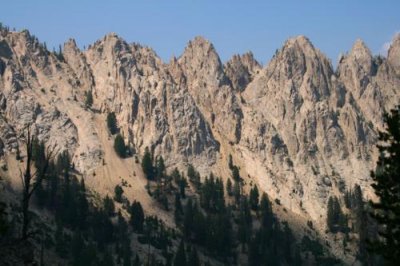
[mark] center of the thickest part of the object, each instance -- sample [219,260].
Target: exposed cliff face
[394,54]
[210,88]
[153,110]
[29,83]
[241,70]
[296,127]
[291,127]
[375,86]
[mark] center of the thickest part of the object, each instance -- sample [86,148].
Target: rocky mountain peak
[24,34]
[110,43]
[208,84]
[77,62]
[283,124]
[249,60]
[200,54]
[361,54]
[394,54]
[300,51]
[302,67]
[356,66]
[241,69]
[300,39]
[203,74]
[24,43]
[201,43]
[111,36]
[300,43]
[360,49]
[70,46]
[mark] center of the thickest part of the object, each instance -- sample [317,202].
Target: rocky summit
[297,128]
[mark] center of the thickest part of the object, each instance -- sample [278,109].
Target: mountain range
[297,128]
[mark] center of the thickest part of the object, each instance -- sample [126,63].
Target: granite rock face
[241,70]
[394,54]
[207,83]
[297,128]
[152,109]
[31,82]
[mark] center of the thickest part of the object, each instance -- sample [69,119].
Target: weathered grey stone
[295,126]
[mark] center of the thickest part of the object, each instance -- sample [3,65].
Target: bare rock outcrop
[209,86]
[37,89]
[241,69]
[297,128]
[394,54]
[152,109]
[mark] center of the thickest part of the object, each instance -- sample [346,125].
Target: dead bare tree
[31,181]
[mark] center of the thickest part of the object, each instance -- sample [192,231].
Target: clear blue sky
[233,26]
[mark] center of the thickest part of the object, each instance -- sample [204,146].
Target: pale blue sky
[233,26]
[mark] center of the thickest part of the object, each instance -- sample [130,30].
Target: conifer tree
[254,198]
[60,55]
[118,191]
[358,208]
[229,188]
[245,222]
[188,219]
[3,222]
[267,218]
[119,146]
[193,176]
[180,256]
[336,220]
[191,172]
[89,99]
[136,262]
[387,187]
[108,205]
[147,164]
[77,247]
[348,198]
[237,192]
[60,247]
[127,252]
[330,219]
[193,258]
[230,162]
[235,173]
[254,257]
[182,185]
[112,123]
[82,205]
[160,168]
[38,153]
[137,216]
[175,175]
[107,259]
[178,208]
